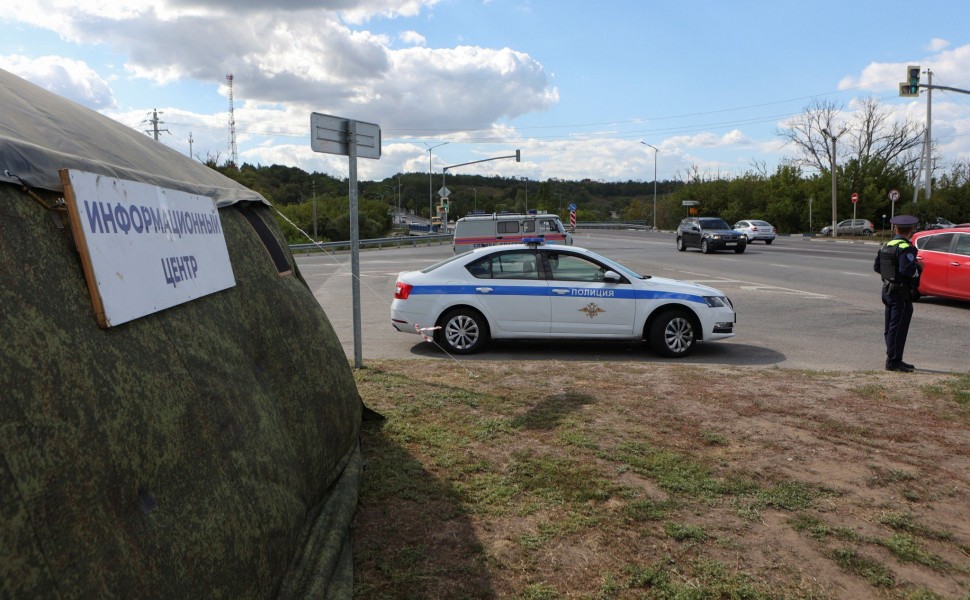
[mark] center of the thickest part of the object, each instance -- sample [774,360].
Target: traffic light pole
[929,136]
[910,89]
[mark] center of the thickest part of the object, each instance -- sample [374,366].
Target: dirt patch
[583,480]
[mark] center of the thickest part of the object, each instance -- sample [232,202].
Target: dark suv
[709,234]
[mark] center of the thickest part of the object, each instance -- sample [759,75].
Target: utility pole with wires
[190,144]
[833,157]
[155,123]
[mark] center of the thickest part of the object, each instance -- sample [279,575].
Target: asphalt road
[801,303]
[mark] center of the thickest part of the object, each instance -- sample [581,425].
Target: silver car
[852,227]
[756,230]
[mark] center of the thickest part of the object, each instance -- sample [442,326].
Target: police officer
[896,262]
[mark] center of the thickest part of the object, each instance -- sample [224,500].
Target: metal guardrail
[396,241]
[442,238]
[638,225]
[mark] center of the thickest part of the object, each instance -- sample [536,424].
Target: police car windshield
[622,270]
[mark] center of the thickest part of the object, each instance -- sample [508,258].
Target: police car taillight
[402,290]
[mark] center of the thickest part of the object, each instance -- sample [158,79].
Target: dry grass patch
[596,480]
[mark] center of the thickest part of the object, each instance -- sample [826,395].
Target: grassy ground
[543,480]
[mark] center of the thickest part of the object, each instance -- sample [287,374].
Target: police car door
[509,289]
[582,303]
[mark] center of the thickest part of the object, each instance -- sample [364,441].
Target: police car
[533,291]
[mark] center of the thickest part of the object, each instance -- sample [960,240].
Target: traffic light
[910,88]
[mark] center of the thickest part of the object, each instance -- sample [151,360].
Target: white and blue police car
[532,291]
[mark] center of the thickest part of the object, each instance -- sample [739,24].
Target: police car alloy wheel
[463,331]
[672,334]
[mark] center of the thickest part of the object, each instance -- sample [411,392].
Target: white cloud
[312,60]
[413,38]
[64,76]
[938,45]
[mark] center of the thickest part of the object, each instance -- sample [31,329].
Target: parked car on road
[945,258]
[754,229]
[851,227]
[538,291]
[709,234]
[938,223]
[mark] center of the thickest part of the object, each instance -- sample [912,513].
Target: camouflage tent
[209,450]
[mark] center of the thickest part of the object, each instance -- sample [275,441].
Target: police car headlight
[717,301]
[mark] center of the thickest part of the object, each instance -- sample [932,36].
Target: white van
[477,231]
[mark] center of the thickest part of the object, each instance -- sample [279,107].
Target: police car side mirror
[612,277]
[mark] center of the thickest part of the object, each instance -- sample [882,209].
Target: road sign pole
[354,244]
[346,137]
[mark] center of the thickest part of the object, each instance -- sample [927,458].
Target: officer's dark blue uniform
[896,262]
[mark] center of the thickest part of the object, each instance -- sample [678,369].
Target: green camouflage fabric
[206,451]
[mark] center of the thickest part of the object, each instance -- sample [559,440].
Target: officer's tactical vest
[889,260]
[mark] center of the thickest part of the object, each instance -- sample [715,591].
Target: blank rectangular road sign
[329,134]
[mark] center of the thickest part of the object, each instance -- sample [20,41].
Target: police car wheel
[681,245]
[463,331]
[672,334]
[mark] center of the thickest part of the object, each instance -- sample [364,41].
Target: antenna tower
[233,151]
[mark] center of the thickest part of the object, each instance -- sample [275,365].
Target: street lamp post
[656,151]
[834,138]
[517,156]
[430,192]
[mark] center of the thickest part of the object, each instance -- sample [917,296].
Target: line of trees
[875,154]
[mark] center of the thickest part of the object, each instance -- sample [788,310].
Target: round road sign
[855,197]
[893,195]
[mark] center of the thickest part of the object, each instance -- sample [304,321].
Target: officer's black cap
[904,220]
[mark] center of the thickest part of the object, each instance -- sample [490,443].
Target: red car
[945,257]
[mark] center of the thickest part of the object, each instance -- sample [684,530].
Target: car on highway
[851,227]
[944,255]
[938,223]
[538,291]
[709,234]
[755,229]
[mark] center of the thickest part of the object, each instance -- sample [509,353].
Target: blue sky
[575,85]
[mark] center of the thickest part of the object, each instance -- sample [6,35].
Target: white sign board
[144,248]
[328,134]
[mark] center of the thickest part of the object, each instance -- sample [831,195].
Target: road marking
[757,287]
[773,289]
